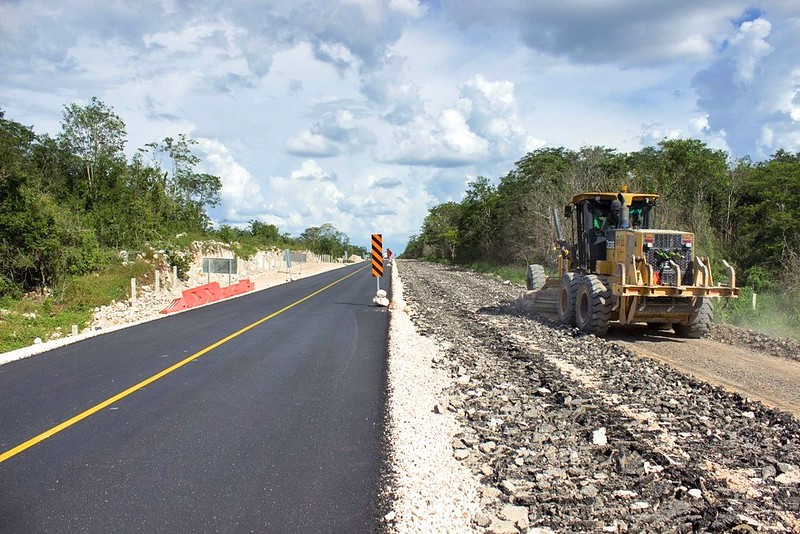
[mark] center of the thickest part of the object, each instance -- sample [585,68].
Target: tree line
[68,203]
[322,240]
[746,212]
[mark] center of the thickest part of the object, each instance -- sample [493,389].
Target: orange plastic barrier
[204,294]
[237,289]
[175,305]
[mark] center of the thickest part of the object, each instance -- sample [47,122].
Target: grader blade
[543,301]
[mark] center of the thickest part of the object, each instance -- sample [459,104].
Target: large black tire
[593,305]
[536,277]
[567,291]
[699,321]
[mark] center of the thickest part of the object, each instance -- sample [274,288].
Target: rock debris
[566,432]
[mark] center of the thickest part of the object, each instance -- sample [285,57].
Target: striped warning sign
[377,255]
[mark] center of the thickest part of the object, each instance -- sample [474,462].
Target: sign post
[377,258]
[227,266]
[287,259]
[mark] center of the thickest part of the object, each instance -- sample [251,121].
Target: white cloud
[349,34]
[309,171]
[410,8]
[188,39]
[699,125]
[364,113]
[481,125]
[447,185]
[532,143]
[749,47]
[750,91]
[397,98]
[336,132]
[311,144]
[627,32]
[493,115]
[241,193]
[336,54]
[295,86]
[654,133]
[384,182]
[367,207]
[442,142]
[309,196]
[794,102]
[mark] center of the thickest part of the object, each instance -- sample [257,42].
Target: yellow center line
[94,409]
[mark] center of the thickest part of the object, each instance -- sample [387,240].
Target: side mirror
[568,210]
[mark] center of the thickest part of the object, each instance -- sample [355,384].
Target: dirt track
[758,375]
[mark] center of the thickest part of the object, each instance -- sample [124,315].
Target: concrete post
[158,282]
[74,330]
[174,275]
[754,301]
[133,290]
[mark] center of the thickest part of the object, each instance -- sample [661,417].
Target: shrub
[180,259]
[760,279]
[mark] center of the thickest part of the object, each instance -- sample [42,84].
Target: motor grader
[619,267]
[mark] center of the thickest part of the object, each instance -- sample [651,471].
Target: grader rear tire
[593,305]
[536,277]
[699,321]
[567,291]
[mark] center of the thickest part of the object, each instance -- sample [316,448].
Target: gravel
[568,432]
[778,346]
[432,491]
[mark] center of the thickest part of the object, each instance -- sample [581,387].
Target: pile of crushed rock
[777,346]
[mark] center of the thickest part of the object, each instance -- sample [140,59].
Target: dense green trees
[326,239]
[27,222]
[187,191]
[68,204]
[65,203]
[748,213]
[768,216]
[96,136]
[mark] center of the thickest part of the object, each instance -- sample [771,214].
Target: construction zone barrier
[197,296]
[237,289]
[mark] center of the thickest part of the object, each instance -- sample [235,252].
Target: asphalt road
[277,429]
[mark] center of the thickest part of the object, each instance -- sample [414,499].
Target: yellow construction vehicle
[619,268]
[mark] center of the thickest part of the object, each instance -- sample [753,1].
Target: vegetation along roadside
[70,204]
[743,211]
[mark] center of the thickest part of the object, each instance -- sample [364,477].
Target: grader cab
[618,267]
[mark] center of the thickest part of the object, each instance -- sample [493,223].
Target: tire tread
[600,305]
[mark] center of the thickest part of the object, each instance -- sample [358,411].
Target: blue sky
[365,113]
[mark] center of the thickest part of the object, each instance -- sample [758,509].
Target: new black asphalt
[278,429]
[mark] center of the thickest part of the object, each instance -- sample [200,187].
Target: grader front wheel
[699,321]
[593,306]
[567,292]
[536,277]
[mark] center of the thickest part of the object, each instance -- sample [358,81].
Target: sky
[367,113]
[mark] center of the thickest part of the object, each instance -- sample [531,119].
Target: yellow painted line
[119,396]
